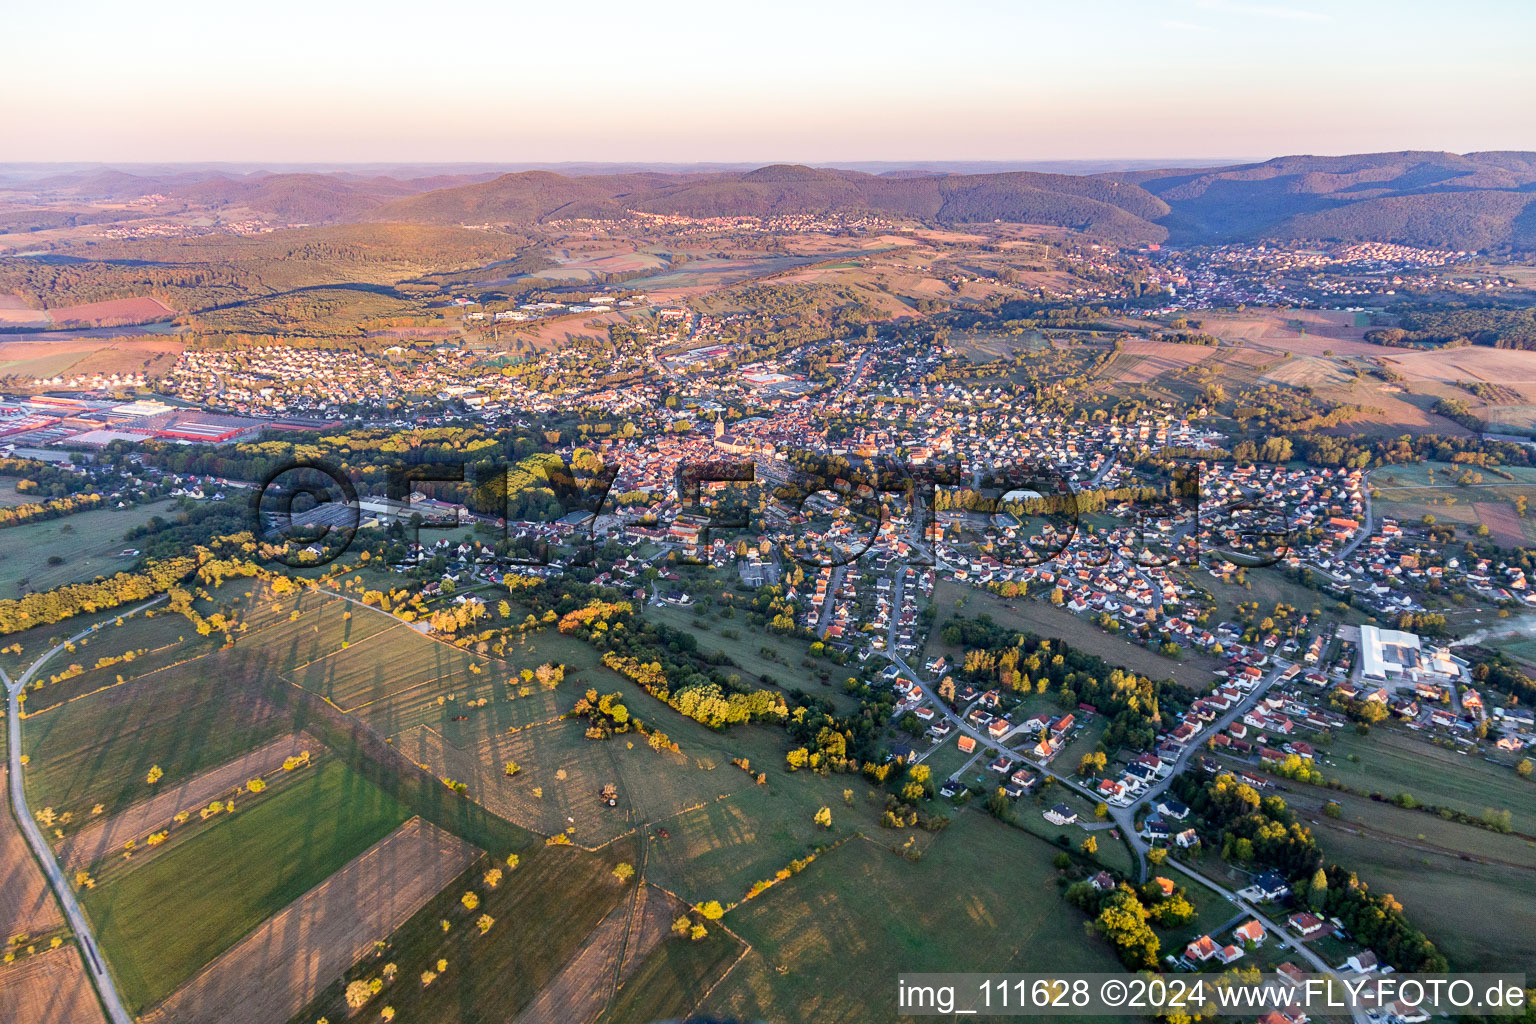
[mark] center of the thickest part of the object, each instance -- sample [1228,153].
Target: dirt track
[106,837]
[276,971]
[48,988]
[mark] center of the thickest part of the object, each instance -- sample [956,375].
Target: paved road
[94,964]
[1365,527]
[1124,817]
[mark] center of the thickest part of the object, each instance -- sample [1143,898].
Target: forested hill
[1472,201]
[1101,206]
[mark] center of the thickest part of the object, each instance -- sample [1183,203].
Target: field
[630,932]
[1480,915]
[669,983]
[276,970]
[163,919]
[88,544]
[783,671]
[106,837]
[543,912]
[26,904]
[1391,763]
[1141,360]
[1040,617]
[1000,911]
[50,987]
[185,721]
[1409,493]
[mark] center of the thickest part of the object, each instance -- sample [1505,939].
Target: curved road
[94,964]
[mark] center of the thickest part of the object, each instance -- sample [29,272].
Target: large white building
[1391,655]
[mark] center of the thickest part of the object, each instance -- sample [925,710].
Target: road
[1365,527]
[1124,817]
[61,887]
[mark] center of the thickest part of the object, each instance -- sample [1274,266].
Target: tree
[1101,811]
[1317,892]
[711,910]
[1089,846]
[155,775]
[358,993]
[1157,856]
[470,901]
[1524,768]
[824,817]
[681,925]
[624,872]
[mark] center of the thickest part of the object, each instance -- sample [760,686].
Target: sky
[810,82]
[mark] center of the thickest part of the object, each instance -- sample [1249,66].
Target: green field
[671,980]
[828,944]
[160,922]
[1391,763]
[185,720]
[784,671]
[1046,620]
[1481,916]
[88,544]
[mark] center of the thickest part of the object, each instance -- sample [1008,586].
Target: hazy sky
[728,81]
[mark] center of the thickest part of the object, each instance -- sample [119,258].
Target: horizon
[1210,77]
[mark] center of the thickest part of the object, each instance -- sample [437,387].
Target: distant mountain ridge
[1443,200]
[1467,201]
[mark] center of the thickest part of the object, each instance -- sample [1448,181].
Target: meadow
[544,910]
[87,544]
[1391,763]
[982,898]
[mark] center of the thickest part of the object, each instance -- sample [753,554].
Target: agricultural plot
[669,983]
[26,904]
[1390,763]
[50,987]
[162,920]
[279,968]
[580,992]
[764,658]
[542,914]
[862,903]
[185,721]
[1481,916]
[107,837]
[1046,620]
[392,662]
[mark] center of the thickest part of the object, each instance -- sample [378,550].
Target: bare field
[26,905]
[1310,332]
[1141,360]
[101,838]
[48,988]
[110,312]
[279,968]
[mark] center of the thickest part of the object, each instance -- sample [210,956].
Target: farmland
[26,905]
[1390,763]
[805,930]
[278,968]
[49,987]
[162,920]
[543,912]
